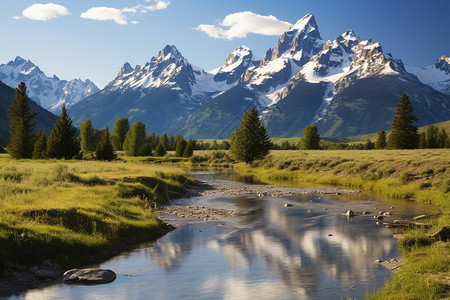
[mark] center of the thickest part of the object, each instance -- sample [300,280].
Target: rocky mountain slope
[347,86]
[49,92]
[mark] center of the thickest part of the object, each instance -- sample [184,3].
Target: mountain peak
[301,24]
[169,51]
[126,69]
[443,63]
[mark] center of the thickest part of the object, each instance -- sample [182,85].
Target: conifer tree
[40,146]
[432,137]
[179,149]
[369,145]
[21,125]
[146,148]
[105,149]
[160,150]
[189,149]
[443,139]
[62,142]
[380,143]
[171,142]
[120,129]
[165,141]
[88,139]
[135,139]
[403,134]
[250,141]
[311,138]
[422,140]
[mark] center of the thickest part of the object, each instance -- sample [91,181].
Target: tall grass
[60,209]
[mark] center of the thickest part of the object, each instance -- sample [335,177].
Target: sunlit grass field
[60,209]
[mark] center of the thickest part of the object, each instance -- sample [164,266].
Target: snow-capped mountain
[294,48]
[437,76]
[347,86]
[49,92]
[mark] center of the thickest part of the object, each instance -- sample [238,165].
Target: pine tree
[87,136]
[179,149]
[171,143]
[189,149]
[62,142]
[422,140]
[20,124]
[120,129]
[135,139]
[160,150]
[40,147]
[443,139]
[250,141]
[369,145]
[311,138]
[165,141]
[105,149]
[403,134]
[380,143]
[432,137]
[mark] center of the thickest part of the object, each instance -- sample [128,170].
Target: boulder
[93,276]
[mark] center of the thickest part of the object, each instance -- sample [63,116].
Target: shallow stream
[264,251]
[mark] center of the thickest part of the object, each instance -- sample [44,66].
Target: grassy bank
[70,210]
[419,175]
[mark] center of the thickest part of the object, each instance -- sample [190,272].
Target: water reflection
[308,251]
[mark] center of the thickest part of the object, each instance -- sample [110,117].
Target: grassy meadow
[75,209]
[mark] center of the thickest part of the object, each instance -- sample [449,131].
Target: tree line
[249,142]
[64,143]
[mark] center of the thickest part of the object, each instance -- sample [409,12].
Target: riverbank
[55,215]
[416,175]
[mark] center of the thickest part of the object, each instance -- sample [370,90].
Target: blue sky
[93,39]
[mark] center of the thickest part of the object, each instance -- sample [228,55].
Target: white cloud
[239,25]
[43,12]
[159,5]
[105,14]
[119,15]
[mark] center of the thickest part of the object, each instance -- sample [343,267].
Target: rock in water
[350,213]
[93,276]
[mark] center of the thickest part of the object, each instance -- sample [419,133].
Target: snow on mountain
[294,49]
[437,76]
[49,92]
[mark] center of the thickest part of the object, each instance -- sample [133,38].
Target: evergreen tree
[179,149]
[105,149]
[443,139]
[21,125]
[165,141]
[160,150]
[146,148]
[311,138]
[369,145]
[403,134]
[189,149]
[432,137]
[380,143]
[250,141]
[135,139]
[171,143]
[62,142]
[120,129]
[422,140]
[87,136]
[40,147]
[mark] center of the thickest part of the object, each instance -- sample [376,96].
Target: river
[264,251]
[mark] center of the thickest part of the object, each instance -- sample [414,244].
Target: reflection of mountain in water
[293,242]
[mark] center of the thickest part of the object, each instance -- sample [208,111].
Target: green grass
[76,209]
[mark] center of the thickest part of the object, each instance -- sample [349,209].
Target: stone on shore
[93,276]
